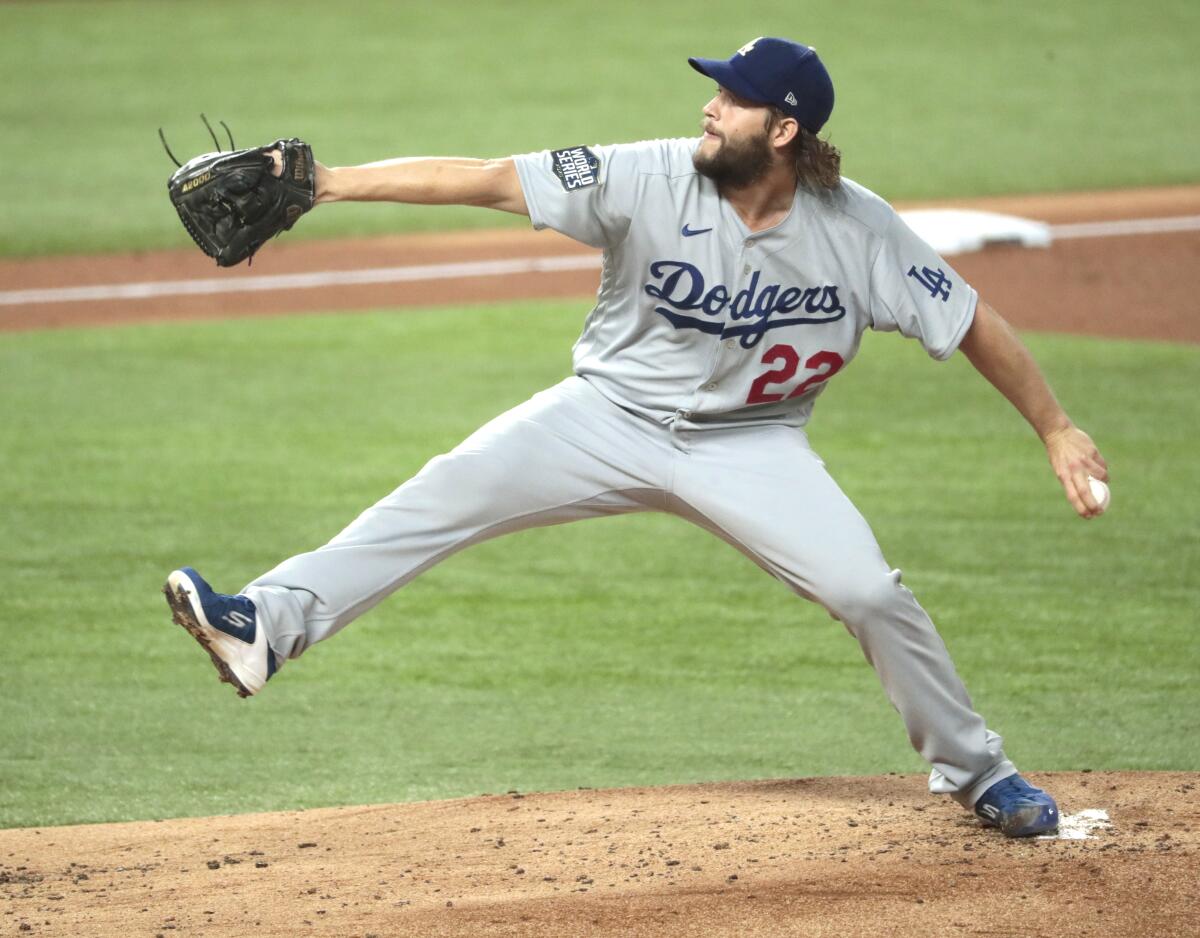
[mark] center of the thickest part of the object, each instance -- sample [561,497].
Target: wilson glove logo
[753,310]
[193,183]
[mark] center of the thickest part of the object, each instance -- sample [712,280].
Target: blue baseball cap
[776,71]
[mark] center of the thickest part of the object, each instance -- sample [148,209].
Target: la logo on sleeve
[935,281]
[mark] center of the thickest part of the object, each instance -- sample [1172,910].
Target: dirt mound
[827,856]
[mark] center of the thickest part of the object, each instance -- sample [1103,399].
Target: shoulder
[670,157]
[855,207]
[580,165]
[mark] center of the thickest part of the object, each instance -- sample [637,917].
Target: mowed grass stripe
[624,651]
[932,100]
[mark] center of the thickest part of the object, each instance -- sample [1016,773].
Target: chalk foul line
[427,272]
[305,281]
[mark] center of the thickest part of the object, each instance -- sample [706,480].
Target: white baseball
[1099,492]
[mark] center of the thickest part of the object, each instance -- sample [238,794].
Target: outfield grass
[934,99]
[615,652]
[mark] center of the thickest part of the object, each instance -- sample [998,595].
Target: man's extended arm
[426,181]
[997,354]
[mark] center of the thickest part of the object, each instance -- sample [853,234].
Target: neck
[766,202]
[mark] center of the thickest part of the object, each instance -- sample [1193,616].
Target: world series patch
[575,167]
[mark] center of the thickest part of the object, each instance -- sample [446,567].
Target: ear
[783,131]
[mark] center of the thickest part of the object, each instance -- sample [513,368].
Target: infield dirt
[813,857]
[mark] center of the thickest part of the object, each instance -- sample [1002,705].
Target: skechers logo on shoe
[239,625]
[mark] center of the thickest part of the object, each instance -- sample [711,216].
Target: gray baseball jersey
[700,318]
[694,373]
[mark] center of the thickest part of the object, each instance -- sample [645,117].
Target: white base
[960,231]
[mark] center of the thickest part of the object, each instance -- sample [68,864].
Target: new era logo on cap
[786,74]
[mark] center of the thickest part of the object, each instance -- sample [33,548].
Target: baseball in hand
[1099,492]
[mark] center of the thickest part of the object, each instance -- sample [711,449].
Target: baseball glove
[231,203]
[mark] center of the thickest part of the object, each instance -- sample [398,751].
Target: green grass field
[616,652]
[613,652]
[934,98]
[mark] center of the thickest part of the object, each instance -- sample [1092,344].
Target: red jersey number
[826,365]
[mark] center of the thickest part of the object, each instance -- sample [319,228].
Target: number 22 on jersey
[826,365]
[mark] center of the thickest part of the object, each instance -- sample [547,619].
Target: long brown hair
[818,162]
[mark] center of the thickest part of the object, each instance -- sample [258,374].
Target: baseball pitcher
[740,271]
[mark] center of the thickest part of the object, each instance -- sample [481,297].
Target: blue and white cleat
[227,627]
[1017,808]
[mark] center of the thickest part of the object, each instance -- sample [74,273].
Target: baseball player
[740,271]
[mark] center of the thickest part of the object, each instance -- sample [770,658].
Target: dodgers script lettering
[681,286]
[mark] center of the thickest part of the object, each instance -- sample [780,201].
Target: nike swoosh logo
[692,232]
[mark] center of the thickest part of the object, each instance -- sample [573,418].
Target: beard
[735,163]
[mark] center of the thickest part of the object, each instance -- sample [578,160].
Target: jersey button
[730,343]
[746,269]
[711,386]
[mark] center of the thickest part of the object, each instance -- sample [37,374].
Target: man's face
[736,149]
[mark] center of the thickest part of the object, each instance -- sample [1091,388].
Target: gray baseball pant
[569,453]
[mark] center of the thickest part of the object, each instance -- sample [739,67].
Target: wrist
[325,185]
[1053,427]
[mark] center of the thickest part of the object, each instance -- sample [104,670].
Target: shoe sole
[1029,822]
[1024,822]
[183,614]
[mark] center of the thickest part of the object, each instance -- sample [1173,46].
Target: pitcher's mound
[826,856]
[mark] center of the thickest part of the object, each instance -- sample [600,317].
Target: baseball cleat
[1017,808]
[227,627]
